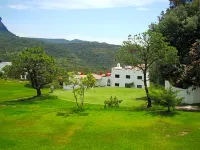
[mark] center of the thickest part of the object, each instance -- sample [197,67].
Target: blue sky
[108,21]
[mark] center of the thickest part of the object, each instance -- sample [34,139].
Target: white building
[119,77]
[101,81]
[190,95]
[123,77]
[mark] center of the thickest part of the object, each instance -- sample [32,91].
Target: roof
[96,76]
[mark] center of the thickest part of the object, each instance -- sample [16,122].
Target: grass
[130,97]
[13,89]
[52,122]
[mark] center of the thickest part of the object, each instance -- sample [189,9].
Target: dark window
[139,86]
[139,77]
[117,76]
[128,76]
[127,85]
[116,84]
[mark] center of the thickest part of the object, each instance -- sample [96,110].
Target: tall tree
[176,3]
[193,69]
[41,68]
[144,50]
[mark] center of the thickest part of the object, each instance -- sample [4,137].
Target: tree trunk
[39,92]
[168,109]
[146,89]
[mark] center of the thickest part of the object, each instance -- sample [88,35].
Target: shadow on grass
[163,113]
[156,110]
[142,98]
[30,100]
[72,111]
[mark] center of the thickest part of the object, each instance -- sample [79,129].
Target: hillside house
[124,77]
[127,77]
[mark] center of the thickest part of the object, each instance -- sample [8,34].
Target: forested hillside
[73,55]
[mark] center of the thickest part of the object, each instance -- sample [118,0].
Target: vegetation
[165,97]
[112,102]
[73,55]
[181,27]
[41,68]
[13,89]
[52,123]
[80,86]
[144,50]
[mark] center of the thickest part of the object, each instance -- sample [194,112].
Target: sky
[109,21]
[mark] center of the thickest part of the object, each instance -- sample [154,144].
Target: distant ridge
[63,41]
[73,55]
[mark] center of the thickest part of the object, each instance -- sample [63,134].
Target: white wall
[122,79]
[190,96]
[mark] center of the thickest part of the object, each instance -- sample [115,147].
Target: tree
[80,86]
[40,67]
[193,69]
[176,3]
[165,97]
[144,50]
[181,27]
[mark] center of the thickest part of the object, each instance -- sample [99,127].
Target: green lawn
[54,123]
[130,97]
[12,89]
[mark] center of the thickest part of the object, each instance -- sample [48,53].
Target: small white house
[122,77]
[101,81]
[190,95]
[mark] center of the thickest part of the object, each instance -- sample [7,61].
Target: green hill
[72,55]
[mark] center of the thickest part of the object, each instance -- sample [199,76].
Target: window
[127,85]
[139,77]
[128,76]
[117,76]
[116,84]
[139,86]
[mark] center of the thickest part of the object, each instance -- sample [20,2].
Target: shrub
[112,102]
[165,97]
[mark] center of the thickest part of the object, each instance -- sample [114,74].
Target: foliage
[165,97]
[144,50]
[80,86]
[192,76]
[181,27]
[112,102]
[40,67]
[176,3]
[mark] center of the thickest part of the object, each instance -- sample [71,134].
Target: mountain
[73,55]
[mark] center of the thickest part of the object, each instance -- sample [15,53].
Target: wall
[190,96]
[133,77]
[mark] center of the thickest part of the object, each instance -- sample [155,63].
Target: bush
[112,102]
[165,97]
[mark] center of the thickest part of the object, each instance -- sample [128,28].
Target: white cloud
[81,4]
[142,9]
[19,6]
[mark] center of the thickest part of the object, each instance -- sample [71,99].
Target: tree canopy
[41,68]
[144,50]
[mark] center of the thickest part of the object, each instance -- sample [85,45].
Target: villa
[127,77]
